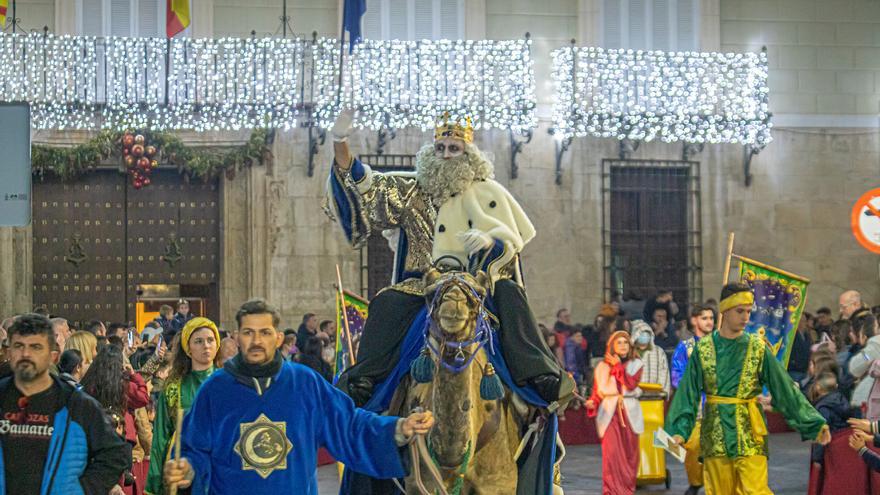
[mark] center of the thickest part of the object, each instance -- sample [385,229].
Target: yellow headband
[193,325]
[737,299]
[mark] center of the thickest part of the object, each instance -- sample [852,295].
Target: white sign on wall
[15,164]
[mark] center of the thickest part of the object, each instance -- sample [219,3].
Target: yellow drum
[652,461]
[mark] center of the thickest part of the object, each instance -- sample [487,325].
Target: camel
[474,441]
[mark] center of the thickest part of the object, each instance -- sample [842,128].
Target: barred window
[134,18]
[414,19]
[668,25]
[651,231]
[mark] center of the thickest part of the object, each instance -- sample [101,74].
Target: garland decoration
[203,162]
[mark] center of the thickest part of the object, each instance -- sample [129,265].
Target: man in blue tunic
[256,425]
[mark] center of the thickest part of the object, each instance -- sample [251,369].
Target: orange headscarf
[609,346]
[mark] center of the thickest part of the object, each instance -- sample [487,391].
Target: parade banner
[780,297]
[355,310]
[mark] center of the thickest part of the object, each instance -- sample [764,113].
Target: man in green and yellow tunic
[732,368]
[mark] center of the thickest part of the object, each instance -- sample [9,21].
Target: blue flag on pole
[351,20]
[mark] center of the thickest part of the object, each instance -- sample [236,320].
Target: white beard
[445,177]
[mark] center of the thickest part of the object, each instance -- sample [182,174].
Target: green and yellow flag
[356,314]
[780,297]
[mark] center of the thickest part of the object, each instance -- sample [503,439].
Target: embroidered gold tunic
[732,373]
[365,201]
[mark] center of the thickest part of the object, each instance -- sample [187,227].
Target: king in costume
[731,368]
[451,210]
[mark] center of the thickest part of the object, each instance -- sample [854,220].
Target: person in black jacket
[53,438]
[311,357]
[832,405]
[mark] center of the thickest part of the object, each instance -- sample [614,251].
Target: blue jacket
[86,456]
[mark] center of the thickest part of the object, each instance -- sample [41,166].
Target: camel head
[454,299]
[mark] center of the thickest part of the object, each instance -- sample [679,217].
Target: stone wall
[824,54]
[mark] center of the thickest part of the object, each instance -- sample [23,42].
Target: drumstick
[172,490]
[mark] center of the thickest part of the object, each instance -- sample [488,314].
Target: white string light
[644,95]
[397,84]
[83,82]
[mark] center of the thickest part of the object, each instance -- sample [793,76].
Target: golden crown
[454,128]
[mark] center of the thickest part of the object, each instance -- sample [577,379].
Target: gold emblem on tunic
[263,446]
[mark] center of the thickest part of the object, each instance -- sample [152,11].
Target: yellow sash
[759,428]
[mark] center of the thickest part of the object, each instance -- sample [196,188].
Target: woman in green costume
[194,360]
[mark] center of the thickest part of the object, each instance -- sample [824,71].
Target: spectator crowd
[139,380]
[834,359]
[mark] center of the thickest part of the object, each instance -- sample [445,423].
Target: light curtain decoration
[397,84]
[82,82]
[646,95]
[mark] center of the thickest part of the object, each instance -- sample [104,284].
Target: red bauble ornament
[146,181]
[137,150]
[150,150]
[139,139]
[129,161]
[127,140]
[143,162]
[126,151]
[137,184]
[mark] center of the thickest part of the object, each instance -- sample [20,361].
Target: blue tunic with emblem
[264,439]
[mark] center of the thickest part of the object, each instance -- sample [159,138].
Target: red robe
[620,441]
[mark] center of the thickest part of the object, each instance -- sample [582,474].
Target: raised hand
[342,126]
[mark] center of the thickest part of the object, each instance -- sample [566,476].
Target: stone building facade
[825,94]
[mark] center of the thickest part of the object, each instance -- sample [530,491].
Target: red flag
[4,4]
[177,16]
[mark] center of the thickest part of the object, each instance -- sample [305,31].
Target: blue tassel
[422,368]
[491,387]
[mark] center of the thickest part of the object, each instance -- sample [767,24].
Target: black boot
[547,387]
[692,490]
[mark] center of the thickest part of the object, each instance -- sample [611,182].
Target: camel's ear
[431,276]
[483,279]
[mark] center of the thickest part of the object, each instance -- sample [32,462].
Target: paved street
[583,470]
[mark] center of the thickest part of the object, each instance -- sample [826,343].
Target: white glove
[342,126]
[475,240]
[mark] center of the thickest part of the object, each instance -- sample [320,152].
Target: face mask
[643,339]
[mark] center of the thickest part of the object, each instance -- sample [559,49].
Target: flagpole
[726,274]
[341,54]
[172,490]
[344,316]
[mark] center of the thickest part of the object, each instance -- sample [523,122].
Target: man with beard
[255,426]
[53,438]
[451,211]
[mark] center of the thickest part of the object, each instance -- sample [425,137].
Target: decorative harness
[482,331]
